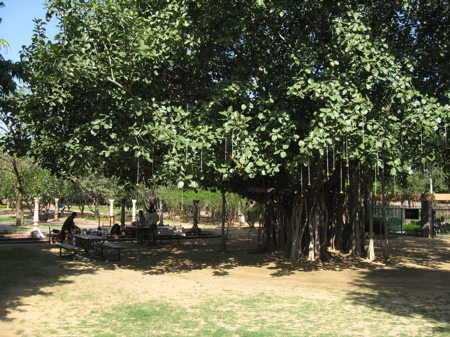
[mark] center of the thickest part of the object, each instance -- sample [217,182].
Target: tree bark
[384,222]
[297,229]
[19,192]
[371,249]
[314,233]
[223,247]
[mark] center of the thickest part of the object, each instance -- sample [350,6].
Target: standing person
[68,226]
[151,221]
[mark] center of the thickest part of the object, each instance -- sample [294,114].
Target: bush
[253,214]
[378,227]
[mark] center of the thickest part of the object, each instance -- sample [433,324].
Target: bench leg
[74,254]
[61,254]
[118,254]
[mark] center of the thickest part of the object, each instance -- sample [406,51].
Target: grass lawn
[191,289]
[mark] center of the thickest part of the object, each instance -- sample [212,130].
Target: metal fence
[397,216]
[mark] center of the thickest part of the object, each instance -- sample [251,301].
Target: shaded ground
[412,285]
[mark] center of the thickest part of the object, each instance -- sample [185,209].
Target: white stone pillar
[36,214]
[133,211]
[111,212]
[56,208]
[111,207]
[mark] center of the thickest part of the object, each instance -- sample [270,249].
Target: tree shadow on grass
[414,282]
[416,264]
[196,254]
[406,292]
[25,268]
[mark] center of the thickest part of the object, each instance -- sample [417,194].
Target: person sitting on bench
[115,230]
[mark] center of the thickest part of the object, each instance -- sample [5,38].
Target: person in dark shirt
[115,230]
[68,226]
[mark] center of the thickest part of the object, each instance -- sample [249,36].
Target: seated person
[115,230]
[141,218]
[61,208]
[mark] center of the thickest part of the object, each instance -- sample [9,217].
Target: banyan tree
[299,105]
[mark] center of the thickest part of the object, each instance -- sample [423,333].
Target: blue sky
[17,25]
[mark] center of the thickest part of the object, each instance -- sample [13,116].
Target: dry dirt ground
[417,265]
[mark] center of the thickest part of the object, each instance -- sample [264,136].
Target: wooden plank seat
[112,246]
[126,237]
[169,238]
[71,248]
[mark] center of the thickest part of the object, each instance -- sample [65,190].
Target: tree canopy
[9,70]
[272,99]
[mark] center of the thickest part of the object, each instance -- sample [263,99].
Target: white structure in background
[36,232]
[111,207]
[133,211]
[36,214]
[56,208]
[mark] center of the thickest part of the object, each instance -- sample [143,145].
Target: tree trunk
[314,233]
[384,222]
[299,205]
[19,192]
[96,208]
[371,249]
[323,227]
[223,247]
[336,222]
[19,209]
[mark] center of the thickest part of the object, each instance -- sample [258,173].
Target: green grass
[258,315]
[36,271]
[13,219]
[410,227]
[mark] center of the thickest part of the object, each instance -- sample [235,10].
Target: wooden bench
[71,248]
[126,237]
[169,237]
[113,246]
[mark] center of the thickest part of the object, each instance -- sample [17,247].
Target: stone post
[111,211]
[56,208]
[36,214]
[133,211]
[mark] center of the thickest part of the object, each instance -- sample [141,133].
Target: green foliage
[259,98]
[209,201]
[253,213]
[28,176]
[9,71]
[252,99]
